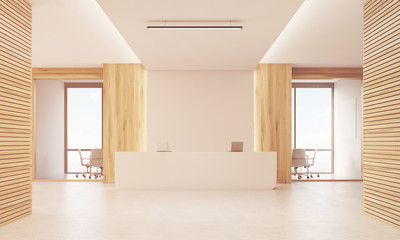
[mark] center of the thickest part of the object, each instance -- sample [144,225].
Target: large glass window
[83,126]
[312,123]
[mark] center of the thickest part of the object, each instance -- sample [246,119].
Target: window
[83,123]
[313,123]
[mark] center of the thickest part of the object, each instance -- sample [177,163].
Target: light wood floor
[303,210]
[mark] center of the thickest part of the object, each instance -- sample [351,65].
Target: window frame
[317,85]
[66,87]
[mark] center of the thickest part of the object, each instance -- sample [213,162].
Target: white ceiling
[75,33]
[262,20]
[323,33]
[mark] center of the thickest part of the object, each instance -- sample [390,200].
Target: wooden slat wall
[273,115]
[15,110]
[124,113]
[381,140]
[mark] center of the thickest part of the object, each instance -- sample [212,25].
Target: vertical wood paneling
[381,118]
[124,112]
[273,115]
[15,110]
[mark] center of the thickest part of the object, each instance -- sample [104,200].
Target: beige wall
[348,128]
[49,128]
[200,111]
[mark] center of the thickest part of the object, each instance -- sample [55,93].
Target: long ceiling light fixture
[194,25]
[180,27]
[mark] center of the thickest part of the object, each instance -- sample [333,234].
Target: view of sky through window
[84,123]
[314,124]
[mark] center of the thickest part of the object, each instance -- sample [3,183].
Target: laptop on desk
[237,147]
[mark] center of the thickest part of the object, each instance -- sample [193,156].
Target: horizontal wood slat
[327,73]
[382,214]
[67,73]
[25,179]
[373,86]
[378,187]
[382,184]
[16,118]
[6,209]
[7,178]
[11,211]
[14,154]
[389,209]
[15,186]
[384,95]
[13,11]
[383,59]
[385,32]
[380,171]
[379,117]
[13,19]
[381,110]
[7,86]
[7,163]
[379,10]
[394,86]
[14,200]
[22,8]
[381,164]
[13,57]
[11,194]
[16,217]
[10,26]
[377,200]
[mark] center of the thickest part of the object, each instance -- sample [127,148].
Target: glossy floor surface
[303,210]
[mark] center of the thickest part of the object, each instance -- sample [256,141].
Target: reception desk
[195,170]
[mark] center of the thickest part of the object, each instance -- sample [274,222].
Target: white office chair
[310,162]
[87,164]
[96,160]
[298,161]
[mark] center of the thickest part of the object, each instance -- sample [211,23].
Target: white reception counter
[195,170]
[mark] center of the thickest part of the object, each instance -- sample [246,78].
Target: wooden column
[15,110]
[273,115]
[124,113]
[381,110]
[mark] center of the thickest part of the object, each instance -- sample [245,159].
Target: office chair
[87,165]
[310,162]
[96,160]
[298,161]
